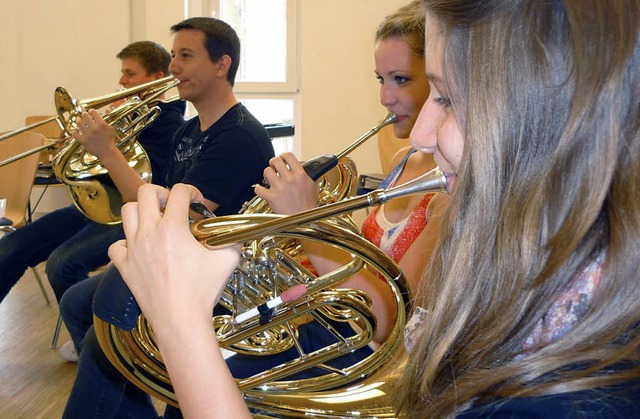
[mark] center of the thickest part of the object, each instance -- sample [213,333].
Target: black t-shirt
[224,161]
[157,138]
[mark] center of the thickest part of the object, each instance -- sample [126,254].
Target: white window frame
[288,89]
[290,85]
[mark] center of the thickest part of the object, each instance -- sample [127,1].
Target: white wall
[73,43]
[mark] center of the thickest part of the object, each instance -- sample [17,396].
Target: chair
[50,130]
[17,181]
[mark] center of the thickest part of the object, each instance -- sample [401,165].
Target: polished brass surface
[222,231]
[336,184]
[265,270]
[92,190]
[391,118]
[136,355]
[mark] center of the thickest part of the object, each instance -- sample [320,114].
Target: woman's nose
[387,97]
[423,135]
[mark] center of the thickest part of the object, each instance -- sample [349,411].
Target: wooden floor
[34,380]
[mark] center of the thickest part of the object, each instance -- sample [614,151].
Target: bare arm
[413,264]
[161,254]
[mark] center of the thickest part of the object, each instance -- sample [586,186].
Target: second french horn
[92,190]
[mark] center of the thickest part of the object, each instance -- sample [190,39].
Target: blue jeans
[71,244]
[75,308]
[101,391]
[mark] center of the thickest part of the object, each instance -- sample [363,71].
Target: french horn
[92,190]
[267,271]
[338,183]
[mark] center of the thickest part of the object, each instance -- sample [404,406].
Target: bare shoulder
[438,203]
[417,165]
[397,158]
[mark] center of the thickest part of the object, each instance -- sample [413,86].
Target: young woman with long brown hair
[531,305]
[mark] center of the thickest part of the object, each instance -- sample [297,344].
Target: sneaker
[68,352]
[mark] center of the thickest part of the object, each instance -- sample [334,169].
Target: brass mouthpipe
[391,118]
[165,84]
[432,181]
[320,165]
[66,103]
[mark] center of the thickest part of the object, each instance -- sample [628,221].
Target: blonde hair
[407,22]
[550,180]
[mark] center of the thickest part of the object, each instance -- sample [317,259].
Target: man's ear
[223,64]
[158,75]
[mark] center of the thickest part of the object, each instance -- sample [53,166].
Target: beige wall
[72,43]
[58,43]
[339,92]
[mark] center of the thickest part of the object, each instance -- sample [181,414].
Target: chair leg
[56,333]
[40,283]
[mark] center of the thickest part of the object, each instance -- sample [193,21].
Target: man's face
[134,74]
[192,66]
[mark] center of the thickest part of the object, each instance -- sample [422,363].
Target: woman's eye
[401,80]
[380,79]
[443,101]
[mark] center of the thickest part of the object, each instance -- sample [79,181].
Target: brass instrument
[92,190]
[266,271]
[339,169]
[336,176]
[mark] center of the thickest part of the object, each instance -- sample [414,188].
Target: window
[267,77]
[274,111]
[268,53]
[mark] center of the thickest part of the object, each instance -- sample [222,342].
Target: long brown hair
[547,93]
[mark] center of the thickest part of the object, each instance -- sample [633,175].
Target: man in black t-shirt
[222,152]
[72,244]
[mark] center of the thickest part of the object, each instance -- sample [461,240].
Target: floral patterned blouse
[561,317]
